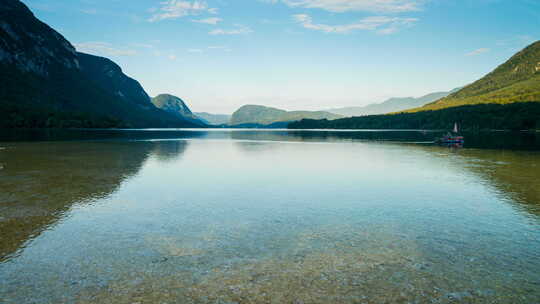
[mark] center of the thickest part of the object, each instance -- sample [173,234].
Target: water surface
[229,216]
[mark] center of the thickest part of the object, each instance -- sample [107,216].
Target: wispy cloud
[103,49]
[515,43]
[478,52]
[240,30]
[170,55]
[223,48]
[339,6]
[380,24]
[209,49]
[143,45]
[173,9]
[213,20]
[89,11]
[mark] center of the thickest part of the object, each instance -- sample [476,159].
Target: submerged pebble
[458,295]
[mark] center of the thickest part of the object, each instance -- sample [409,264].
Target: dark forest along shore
[507,140]
[267,217]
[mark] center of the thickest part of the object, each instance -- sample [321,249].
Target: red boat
[451,138]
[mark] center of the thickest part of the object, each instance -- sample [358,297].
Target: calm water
[268,217]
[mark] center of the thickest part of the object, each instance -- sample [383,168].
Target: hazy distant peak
[394,104]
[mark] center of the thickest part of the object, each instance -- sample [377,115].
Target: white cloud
[339,6]
[195,51]
[103,49]
[172,57]
[173,9]
[381,24]
[240,30]
[478,52]
[213,20]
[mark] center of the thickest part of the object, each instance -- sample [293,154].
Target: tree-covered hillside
[253,114]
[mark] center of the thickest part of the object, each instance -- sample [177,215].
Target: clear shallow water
[267,217]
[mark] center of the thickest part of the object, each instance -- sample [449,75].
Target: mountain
[46,83]
[213,119]
[176,107]
[395,104]
[109,76]
[516,80]
[274,125]
[261,115]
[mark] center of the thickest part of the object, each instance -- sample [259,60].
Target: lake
[268,216]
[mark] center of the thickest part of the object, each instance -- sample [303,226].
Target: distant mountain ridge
[45,82]
[261,115]
[390,105]
[177,107]
[516,80]
[214,119]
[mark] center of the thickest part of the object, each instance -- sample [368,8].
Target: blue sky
[296,54]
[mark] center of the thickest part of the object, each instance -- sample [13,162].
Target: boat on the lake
[451,138]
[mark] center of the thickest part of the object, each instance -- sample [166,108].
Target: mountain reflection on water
[42,181]
[514,173]
[247,216]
